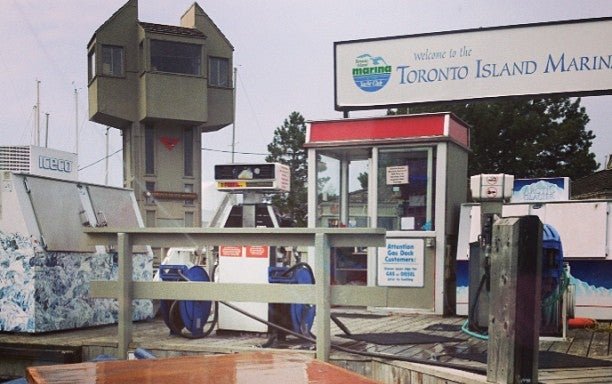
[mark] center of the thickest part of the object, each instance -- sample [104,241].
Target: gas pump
[492,190]
[246,264]
[257,264]
[242,264]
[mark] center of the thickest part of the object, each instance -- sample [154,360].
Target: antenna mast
[37,133]
[106,159]
[76,120]
[234,115]
[47,130]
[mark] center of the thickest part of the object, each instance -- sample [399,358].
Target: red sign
[257,251]
[230,251]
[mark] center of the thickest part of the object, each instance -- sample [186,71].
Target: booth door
[405,198]
[342,201]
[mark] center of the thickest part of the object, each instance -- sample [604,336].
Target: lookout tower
[162,86]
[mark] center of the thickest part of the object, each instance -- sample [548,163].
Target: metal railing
[322,294]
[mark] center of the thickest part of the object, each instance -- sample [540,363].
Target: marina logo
[371,73]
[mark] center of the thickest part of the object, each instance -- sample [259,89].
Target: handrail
[321,293]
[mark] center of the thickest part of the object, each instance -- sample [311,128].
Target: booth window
[218,72]
[328,191]
[406,189]
[342,189]
[342,201]
[357,187]
[173,57]
[112,60]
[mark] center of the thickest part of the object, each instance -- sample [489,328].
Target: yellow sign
[231,184]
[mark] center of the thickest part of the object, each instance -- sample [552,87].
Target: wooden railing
[322,294]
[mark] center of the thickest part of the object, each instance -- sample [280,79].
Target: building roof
[201,12]
[597,185]
[171,30]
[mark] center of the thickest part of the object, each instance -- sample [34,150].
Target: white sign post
[401,263]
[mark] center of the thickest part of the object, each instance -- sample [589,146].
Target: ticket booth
[407,174]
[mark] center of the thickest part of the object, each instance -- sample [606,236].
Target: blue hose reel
[185,314]
[554,282]
[192,315]
[297,317]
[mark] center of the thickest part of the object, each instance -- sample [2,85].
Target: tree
[526,138]
[287,147]
[363,180]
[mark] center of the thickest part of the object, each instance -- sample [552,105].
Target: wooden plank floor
[154,336]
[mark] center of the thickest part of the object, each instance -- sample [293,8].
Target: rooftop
[171,30]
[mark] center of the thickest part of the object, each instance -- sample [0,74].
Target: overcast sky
[283,52]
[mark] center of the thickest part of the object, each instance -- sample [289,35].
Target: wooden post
[514,317]
[124,279]
[323,292]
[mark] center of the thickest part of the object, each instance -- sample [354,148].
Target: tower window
[218,72]
[188,189]
[150,188]
[112,60]
[149,150]
[173,57]
[188,151]
[189,219]
[91,64]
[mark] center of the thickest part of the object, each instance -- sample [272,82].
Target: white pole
[47,130]
[33,132]
[234,115]
[37,134]
[106,159]
[76,120]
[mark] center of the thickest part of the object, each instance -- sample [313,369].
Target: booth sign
[401,263]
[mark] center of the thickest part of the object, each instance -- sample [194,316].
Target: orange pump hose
[581,322]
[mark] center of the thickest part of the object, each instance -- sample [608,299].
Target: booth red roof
[444,126]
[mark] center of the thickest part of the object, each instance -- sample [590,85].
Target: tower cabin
[162,86]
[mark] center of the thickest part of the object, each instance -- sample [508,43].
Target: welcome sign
[573,58]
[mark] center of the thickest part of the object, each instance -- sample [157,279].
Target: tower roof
[171,30]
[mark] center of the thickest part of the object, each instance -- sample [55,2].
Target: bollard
[514,312]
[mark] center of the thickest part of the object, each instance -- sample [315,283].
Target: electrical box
[266,177]
[491,187]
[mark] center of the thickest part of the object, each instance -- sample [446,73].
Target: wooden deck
[154,336]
